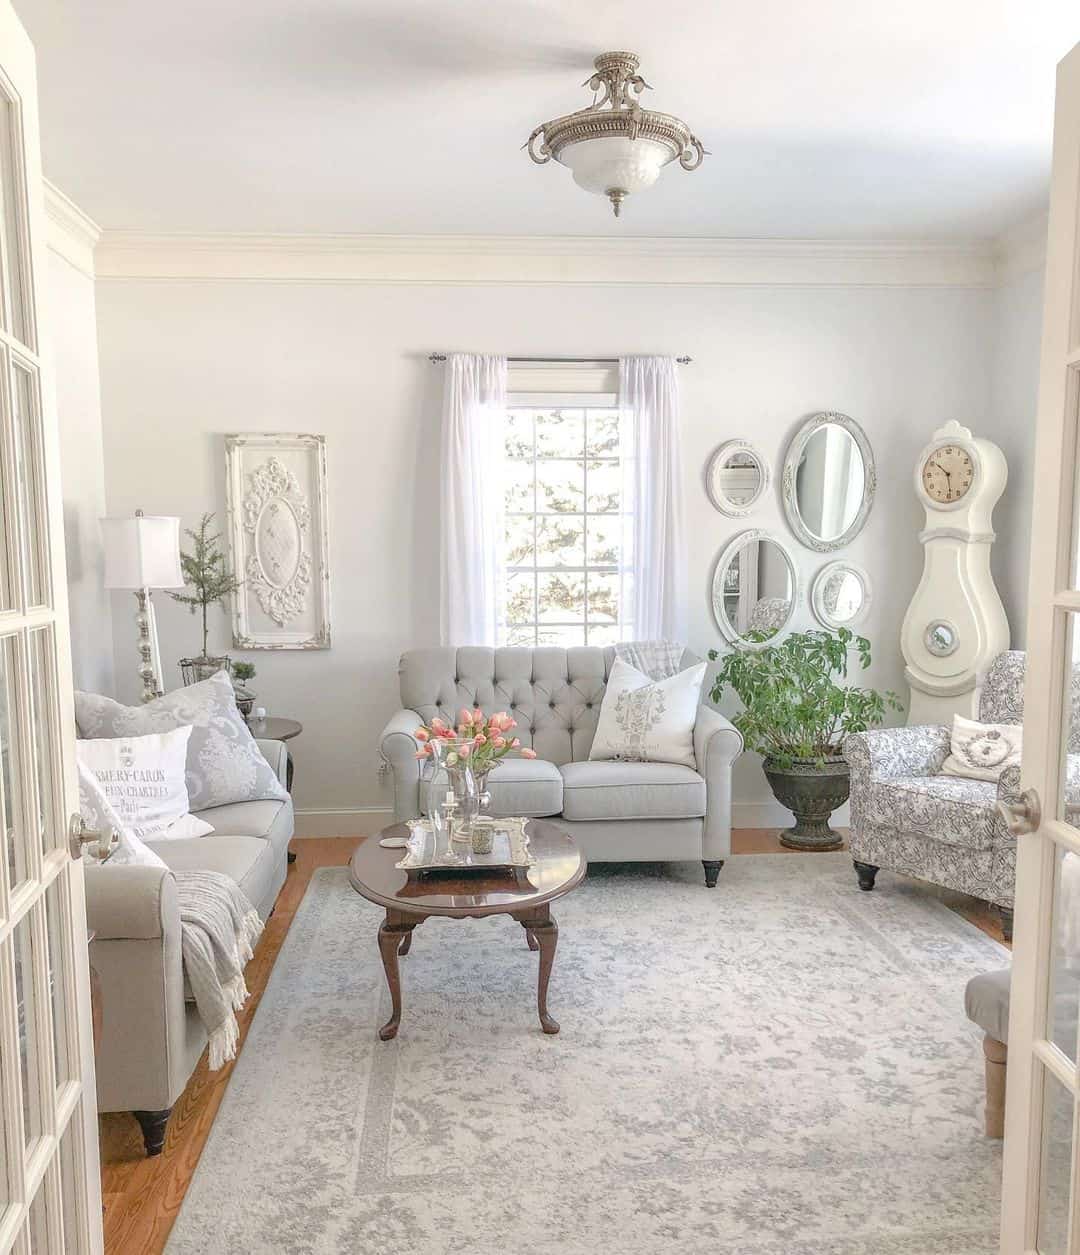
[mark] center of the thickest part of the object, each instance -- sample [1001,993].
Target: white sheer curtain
[653,598]
[473,435]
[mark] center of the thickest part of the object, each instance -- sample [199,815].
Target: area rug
[779,1066]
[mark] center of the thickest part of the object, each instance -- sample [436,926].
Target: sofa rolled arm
[886,753]
[131,902]
[277,755]
[717,743]
[398,746]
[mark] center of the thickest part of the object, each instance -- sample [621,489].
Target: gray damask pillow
[223,762]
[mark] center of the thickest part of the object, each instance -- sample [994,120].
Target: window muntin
[563,526]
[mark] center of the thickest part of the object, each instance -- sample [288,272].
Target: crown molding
[474,260]
[70,232]
[1022,249]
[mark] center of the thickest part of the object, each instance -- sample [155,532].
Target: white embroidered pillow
[143,780]
[982,751]
[648,720]
[99,814]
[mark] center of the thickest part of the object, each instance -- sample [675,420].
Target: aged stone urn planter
[812,791]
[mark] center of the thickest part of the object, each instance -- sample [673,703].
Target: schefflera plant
[796,707]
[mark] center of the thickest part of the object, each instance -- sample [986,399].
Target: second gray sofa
[617,811]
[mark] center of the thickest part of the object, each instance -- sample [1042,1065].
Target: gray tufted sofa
[617,811]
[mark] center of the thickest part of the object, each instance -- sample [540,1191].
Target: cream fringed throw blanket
[218,931]
[218,925]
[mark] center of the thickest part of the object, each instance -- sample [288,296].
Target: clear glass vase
[453,794]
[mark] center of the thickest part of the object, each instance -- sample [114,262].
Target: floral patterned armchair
[909,818]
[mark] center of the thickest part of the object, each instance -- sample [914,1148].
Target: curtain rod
[559,361]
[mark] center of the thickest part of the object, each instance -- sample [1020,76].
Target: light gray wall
[183,362]
[1014,398]
[71,320]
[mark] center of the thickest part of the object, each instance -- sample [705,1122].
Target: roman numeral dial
[948,473]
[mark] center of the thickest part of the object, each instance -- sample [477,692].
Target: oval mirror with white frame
[736,478]
[829,481]
[840,596]
[755,589]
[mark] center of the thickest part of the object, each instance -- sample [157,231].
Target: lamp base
[149,663]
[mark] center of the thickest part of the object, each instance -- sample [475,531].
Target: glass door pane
[11,777]
[46,717]
[30,472]
[1056,1172]
[13,252]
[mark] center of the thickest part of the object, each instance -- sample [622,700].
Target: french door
[49,1183]
[1041,1209]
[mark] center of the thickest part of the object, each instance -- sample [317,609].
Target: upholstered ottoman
[986,1001]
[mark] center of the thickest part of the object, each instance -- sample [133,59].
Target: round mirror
[754,590]
[829,481]
[841,595]
[941,638]
[736,478]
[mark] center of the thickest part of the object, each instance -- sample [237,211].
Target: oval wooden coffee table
[559,867]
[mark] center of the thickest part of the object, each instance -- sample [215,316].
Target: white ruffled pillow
[982,751]
[144,780]
[648,720]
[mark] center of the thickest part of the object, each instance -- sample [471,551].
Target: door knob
[103,842]
[1023,816]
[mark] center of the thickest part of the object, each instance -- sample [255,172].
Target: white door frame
[50,1190]
[1053,626]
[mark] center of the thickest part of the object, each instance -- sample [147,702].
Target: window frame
[552,401]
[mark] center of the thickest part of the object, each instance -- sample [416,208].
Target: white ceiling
[832,119]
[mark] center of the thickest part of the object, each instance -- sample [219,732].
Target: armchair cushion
[619,790]
[947,809]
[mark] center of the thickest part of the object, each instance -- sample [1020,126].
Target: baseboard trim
[356,821]
[773,815]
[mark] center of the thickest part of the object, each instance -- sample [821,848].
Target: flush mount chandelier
[615,147]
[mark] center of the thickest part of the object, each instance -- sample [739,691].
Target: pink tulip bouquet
[481,741]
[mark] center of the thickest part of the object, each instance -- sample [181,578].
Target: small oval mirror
[736,478]
[841,595]
[829,481]
[754,590]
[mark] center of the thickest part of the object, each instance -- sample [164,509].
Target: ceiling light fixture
[615,147]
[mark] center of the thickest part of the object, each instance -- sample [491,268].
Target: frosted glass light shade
[615,163]
[142,552]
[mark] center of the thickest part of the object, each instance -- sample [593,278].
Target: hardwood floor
[142,1196]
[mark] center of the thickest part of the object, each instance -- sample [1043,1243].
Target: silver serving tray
[428,851]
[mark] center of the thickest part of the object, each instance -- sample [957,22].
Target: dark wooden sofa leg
[1006,913]
[153,1125]
[866,873]
[712,870]
[997,1058]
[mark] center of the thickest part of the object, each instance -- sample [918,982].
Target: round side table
[274,729]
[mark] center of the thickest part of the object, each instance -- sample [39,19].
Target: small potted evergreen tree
[242,672]
[207,582]
[796,716]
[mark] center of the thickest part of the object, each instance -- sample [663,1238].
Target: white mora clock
[956,624]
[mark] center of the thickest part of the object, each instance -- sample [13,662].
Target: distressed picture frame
[276,512]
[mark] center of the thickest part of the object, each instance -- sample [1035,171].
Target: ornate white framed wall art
[277,526]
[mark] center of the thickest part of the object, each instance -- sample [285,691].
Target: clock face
[948,473]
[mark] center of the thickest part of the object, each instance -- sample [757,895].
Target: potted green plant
[207,582]
[796,714]
[242,672]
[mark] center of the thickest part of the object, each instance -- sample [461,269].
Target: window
[563,526]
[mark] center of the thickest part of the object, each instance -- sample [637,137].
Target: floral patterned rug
[779,1066]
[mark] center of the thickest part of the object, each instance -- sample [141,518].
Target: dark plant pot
[245,701]
[811,791]
[195,669]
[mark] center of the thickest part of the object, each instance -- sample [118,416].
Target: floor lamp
[143,553]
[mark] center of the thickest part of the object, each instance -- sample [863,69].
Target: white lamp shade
[142,552]
[615,164]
